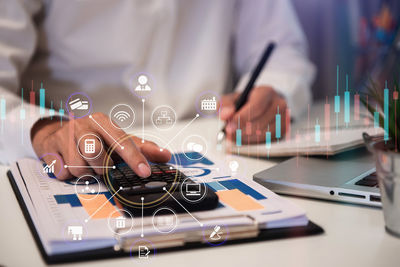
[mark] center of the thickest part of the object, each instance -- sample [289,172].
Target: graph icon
[49,168]
[122,115]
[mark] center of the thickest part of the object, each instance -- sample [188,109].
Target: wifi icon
[122,115]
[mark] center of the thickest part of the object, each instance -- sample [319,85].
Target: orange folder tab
[92,206]
[238,201]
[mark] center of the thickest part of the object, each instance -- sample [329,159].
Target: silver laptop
[349,176]
[346,177]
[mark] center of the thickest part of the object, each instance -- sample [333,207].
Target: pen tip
[220,137]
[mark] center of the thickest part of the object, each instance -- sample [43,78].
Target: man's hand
[255,116]
[48,136]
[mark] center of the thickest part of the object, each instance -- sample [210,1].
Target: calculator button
[151,185]
[136,187]
[126,189]
[134,190]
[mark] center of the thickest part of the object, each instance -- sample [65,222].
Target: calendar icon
[90,146]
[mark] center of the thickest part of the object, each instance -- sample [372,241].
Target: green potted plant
[385,105]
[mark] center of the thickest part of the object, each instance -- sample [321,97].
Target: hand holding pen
[254,109]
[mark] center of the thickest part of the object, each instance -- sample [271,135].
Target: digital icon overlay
[207,104]
[194,143]
[78,105]
[90,146]
[120,222]
[49,168]
[215,235]
[165,220]
[122,116]
[76,232]
[233,166]
[193,192]
[163,117]
[142,250]
[142,85]
[50,165]
[87,187]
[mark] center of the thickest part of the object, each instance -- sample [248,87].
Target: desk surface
[354,235]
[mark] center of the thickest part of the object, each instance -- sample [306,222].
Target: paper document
[69,221]
[303,143]
[317,132]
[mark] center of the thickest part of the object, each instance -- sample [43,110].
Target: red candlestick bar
[366,119]
[32,102]
[356,107]
[288,126]
[327,132]
[248,128]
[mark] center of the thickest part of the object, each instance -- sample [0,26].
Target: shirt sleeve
[288,70]
[17,45]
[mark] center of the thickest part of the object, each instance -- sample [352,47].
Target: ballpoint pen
[243,97]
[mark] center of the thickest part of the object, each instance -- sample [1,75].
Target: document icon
[143,252]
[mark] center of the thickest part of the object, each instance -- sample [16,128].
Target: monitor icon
[193,189]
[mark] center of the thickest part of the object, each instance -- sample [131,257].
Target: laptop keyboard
[370,181]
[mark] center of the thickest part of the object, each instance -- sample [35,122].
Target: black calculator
[152,189]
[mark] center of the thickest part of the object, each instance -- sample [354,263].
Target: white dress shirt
[188,46]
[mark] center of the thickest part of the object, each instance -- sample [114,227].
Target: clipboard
[111,252]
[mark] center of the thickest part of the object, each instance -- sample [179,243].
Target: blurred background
[358,35]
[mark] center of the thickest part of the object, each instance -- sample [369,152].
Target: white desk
[354,235]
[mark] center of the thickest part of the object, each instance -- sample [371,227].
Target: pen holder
[387,163]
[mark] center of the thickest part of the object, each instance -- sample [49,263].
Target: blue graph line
[42,99]
[317,132]
[386,112]
[347,103]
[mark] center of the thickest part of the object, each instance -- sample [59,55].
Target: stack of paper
[66,221]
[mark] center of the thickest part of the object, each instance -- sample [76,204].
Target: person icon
[143,86]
